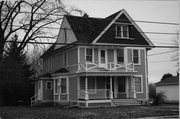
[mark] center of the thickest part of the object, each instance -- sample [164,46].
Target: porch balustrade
[109,66]
[95,94]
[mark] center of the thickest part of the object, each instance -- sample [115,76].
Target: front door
[121,87]
[103,58]
[63,93]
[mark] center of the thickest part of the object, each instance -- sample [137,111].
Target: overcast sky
[144,10]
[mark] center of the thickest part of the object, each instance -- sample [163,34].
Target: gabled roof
[101,30]
[86,29]
[174,80]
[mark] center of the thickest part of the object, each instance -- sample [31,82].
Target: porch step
[123,102]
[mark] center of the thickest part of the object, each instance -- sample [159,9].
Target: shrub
[159,98]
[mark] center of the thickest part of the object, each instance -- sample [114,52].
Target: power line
[163,52]
[85,44]
[142,21]
[160,61]
[165,33]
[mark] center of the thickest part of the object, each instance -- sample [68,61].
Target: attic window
[122,31]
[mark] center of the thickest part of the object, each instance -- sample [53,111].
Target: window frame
[50,85]
[123,56]
[141,78]
[122,31]
[139,56]
[89,55]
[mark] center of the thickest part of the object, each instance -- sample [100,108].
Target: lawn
[91,113]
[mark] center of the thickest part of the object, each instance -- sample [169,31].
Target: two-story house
[96,62]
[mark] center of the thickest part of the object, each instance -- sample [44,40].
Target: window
[122,31]
[48,85]
[120,56]
[63,85]
[65,59]
[55,86]
[103,57]
[138,84]
[89,55]
[136,57]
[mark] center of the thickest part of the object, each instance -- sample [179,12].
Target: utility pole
[179,55]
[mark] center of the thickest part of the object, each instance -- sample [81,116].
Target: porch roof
[105,73]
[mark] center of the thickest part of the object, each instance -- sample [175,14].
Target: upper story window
[89,55]
[120,56]
[136,56]
[122,31]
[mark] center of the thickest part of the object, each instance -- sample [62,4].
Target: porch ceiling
[107,73]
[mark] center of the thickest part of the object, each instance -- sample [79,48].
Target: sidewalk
[161,117]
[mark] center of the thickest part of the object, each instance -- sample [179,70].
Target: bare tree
[31,20]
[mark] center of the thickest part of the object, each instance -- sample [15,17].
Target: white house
[170,87]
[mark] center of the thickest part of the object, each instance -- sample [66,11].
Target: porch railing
[34,98]
[95,94]
[110,66]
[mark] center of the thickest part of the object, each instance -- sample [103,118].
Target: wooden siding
[72,56]
[82,55]
[110,56]
[57,61]
[141,71]
[73,89]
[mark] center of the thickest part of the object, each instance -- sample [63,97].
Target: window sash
[48,85]
[89,55]
[120,56]
[136,57]
[122,31]
[138,84]
[63,86]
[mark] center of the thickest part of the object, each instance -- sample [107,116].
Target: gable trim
[131,21]
[107,27]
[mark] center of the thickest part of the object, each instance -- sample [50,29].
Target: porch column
[134,88]
[86,89]
[111,92]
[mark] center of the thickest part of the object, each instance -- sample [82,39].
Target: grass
[91,113]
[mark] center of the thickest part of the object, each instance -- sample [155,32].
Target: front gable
[135,34]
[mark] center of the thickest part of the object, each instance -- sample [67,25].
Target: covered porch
[106,87]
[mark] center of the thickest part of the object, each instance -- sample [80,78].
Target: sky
[143,10]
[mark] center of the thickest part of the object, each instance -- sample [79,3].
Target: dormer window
[122,31]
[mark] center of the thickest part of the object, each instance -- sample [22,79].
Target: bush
[159,98]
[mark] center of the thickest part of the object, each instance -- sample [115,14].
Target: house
[96,62]
[170,88]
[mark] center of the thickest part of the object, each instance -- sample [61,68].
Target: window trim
[141,77]
[92,54]
[47,85]
[139,56]
[117,55]
[122,31]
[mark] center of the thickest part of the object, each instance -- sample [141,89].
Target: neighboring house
[170,88]
[104,65]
